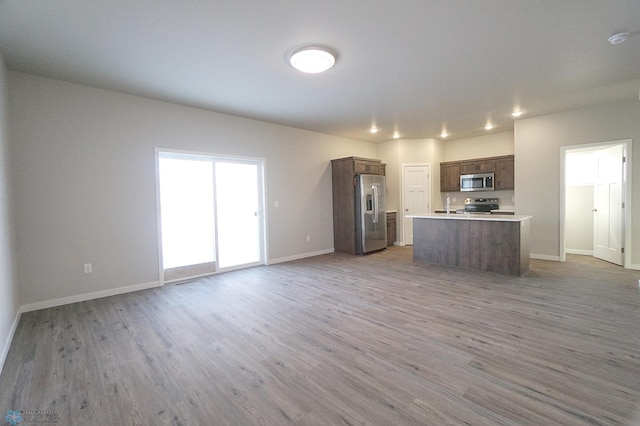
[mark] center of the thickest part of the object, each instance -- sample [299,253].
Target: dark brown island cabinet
[495,243]
[343,172]
[502,166]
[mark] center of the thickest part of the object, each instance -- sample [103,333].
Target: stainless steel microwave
[477,182]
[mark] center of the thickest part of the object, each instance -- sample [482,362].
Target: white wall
[9,302]
[409,151]
[537,166]
[491,145]
[85,182]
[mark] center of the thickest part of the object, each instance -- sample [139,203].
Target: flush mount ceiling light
[516,113]
[489,126]
[312,59]
[619,38]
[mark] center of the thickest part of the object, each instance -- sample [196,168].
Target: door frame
[262,163]
[402,200]
[626,191]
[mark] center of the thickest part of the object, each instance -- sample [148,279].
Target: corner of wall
[9,297]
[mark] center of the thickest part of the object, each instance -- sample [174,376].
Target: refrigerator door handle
[375,203]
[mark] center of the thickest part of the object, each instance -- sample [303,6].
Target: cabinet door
[369,167]
[478,166]
[449,177]
[391,229]
[505,173]
[468,167]
[486,166]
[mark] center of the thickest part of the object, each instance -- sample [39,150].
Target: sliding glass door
[239,215]
[210,214]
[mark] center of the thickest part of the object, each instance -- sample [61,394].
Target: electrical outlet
[308,237]
[88,268]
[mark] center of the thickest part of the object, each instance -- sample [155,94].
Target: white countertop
[466,216]
[507,210]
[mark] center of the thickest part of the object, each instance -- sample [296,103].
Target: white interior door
[608,211]
[415,197]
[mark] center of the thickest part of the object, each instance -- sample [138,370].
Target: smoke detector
[619,38]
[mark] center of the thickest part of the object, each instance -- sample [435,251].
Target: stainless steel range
[480,205]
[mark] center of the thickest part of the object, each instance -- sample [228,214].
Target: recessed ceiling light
[619,38]
[373,129]
[489,126]
[516,113]
[396,135]
[444,134]
[312,60]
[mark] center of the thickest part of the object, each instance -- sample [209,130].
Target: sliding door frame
[263,236]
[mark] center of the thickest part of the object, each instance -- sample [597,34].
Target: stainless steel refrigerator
[371,213]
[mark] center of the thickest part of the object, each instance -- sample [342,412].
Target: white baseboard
[634,266]
[578,251]
[299,256]
[87,296]
[545,257]
[7,343]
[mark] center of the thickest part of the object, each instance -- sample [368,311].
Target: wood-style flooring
[342,340]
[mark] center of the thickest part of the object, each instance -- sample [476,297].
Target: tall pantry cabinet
[343,172]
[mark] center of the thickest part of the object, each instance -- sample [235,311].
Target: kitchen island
[496,243]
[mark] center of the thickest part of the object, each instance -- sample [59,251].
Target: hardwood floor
[341,339]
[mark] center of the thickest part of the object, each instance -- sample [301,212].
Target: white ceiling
[410,65]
